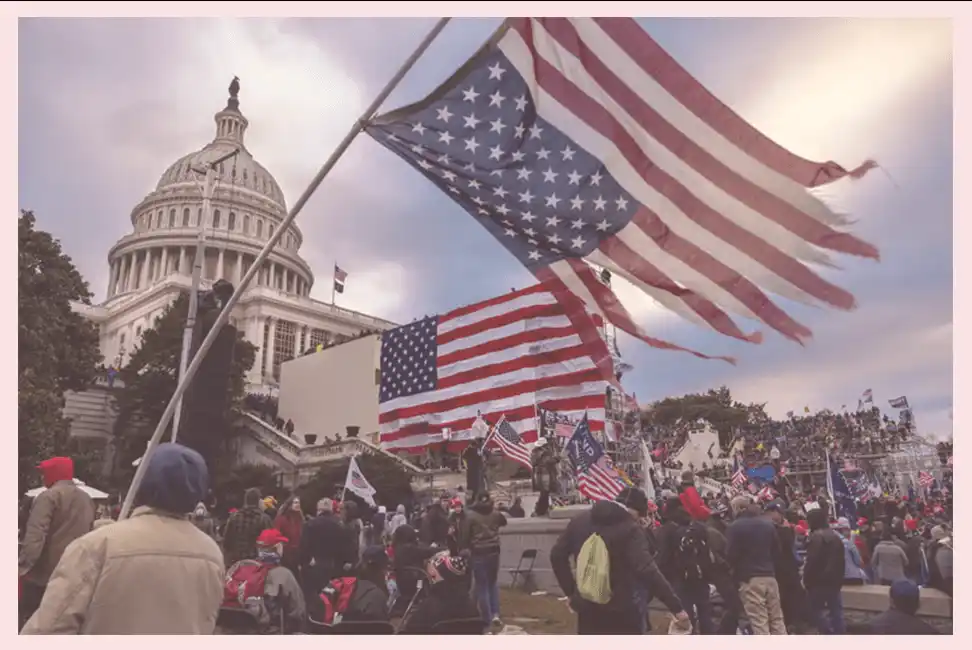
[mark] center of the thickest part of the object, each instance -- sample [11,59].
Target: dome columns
[138,269]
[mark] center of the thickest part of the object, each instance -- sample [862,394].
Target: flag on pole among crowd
[925,479]
[579,143]
[505,438]
[840,495]
[739,478]
[502,356]
[596,478]
[340,275]
[358,484]
[647,464]
[899,402]
[867,397]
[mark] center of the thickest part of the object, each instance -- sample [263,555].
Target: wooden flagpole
[223,317]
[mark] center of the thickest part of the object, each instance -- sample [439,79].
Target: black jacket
[824,566]
[434,528]
[328,542]
[752,547]
[443,603]
[629,553]
[368,603]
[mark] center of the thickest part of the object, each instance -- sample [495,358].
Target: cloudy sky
[106,105]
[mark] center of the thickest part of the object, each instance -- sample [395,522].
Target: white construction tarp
[94,493]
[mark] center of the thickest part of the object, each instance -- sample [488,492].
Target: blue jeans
[486,585]
[641,600]
[827,598]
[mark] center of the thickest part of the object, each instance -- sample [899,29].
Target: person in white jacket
[398,519]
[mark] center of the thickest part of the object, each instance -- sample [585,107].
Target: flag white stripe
[496,381]
[597,145]
[520,302]
[517,327]
[696,129]
[707,192]
[509,354]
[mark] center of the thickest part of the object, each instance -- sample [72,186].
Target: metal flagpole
[333,284]
[264,254]
[197,268]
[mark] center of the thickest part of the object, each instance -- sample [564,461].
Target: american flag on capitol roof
[579,142]
[506,356]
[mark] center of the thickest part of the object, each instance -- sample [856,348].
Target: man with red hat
[61,513]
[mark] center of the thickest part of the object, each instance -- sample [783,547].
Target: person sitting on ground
[901,617]
[179,568]
[360,598]
[447,598]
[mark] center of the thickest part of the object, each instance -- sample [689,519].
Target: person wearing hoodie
[691,501]
[283,600]
[179,567]
[479,533]
[398,519]
[60,514]
[290,523]
[410,556]
[447,598]
[853,566]
[243,527]
[889,561]
[901,618]
[631,563]
[823,574]
[369,600]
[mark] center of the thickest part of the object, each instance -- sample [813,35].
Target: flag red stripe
[495,345]
[733,282]
[769,205]
[587,109]
[492,394]
[530,361]
[506,318]
[492,302]
[579,403]
[690,93]
[609,303]
[642,269]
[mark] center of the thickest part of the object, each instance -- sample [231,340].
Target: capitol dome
[247,207]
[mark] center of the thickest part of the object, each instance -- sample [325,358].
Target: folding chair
[528,554]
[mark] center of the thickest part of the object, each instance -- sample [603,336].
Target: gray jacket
[888,562]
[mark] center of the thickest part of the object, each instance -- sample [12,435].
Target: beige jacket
[154,573]
[60,514]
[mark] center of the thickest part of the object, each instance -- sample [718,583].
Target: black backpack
[694,556]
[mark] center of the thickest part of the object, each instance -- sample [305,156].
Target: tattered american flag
[925,479]
[739,478]
[505,438]
[579,141]
[500,357]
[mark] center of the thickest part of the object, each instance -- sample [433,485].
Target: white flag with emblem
[357,483]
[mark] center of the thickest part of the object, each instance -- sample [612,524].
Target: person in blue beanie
[153,573]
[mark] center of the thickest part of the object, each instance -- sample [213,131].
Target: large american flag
[505,438]
[596,477]
[500,357]
[579,142]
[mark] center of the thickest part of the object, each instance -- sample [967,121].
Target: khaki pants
[761,599]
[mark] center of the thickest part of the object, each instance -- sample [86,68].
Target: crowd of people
[777,566]
[266,569]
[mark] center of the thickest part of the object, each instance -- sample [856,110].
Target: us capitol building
[150,266]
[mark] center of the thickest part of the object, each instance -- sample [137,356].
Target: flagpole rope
[264,254]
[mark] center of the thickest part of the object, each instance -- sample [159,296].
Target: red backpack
[245,582]
[335,598]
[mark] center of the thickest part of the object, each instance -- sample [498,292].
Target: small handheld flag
[358,484]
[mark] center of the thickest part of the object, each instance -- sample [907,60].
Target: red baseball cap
[271,537]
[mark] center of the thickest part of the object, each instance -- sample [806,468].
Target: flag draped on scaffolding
[505,356]
[579,142]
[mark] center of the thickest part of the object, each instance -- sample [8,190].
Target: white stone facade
[152,264]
